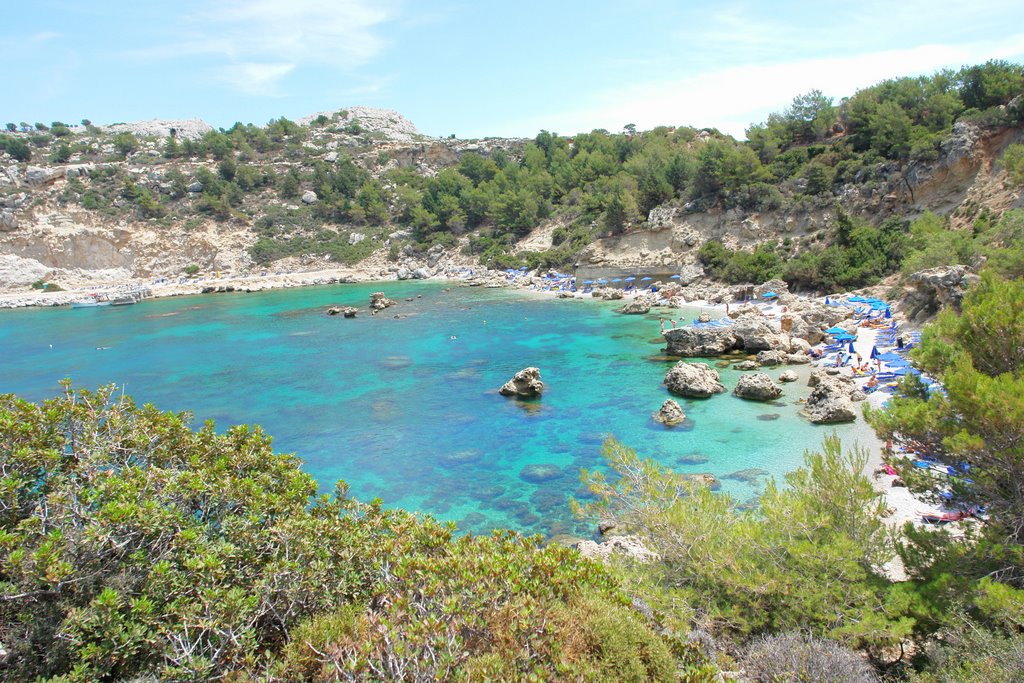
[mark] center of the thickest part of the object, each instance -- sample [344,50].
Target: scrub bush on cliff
[133,546]
[805,559]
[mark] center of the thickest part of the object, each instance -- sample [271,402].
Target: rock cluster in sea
[524,384]
[832,397]
[757,386]
[670,414]
[693,380]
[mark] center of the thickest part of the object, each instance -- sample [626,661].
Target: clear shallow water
[402,410]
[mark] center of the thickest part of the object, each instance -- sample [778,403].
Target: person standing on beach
[662,321]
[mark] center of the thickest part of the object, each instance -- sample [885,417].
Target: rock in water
[747,365]
[757,386]
[637,306]
[670,413]
[830,400]
[693,380]
[525,384]
[378,302]
[788,376]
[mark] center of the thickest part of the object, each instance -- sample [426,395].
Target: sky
[477,68]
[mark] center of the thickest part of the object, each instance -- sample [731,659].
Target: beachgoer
[873,382]
[673,323]
[662,321]
[727,308]
[899,342]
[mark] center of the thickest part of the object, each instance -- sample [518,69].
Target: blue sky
[476,68]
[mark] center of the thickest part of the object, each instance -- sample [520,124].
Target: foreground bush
[801,658]
[133,546]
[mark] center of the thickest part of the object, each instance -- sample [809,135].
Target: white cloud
[255,79]
[261,41]
[731,99]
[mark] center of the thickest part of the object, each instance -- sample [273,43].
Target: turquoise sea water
[404,405]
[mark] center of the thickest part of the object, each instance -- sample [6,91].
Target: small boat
[89,303]
[122,301]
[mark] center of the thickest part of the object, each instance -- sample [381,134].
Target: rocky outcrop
[831,400]
[627,547]
[750,334]
[770,358]
[638,306]
[309,197]
[693,380]
[788,376]
[8,221]
[378,302]
[524,384]
[670,414]
[747,365]
[937,287]
[346,311]
[36,175]
[757,386]
[607,293]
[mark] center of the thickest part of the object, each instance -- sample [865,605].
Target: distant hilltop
[190,129]
[384,123]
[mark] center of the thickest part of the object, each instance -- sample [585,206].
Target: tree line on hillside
[596,183]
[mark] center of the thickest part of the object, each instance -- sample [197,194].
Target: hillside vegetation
[339,191]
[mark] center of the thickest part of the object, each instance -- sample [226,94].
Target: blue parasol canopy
[630,278]
[857,299]
[874,352]
[644,279]
[588,282]
[602,281]
[844,337]
[898,363]
[616,279]
[769,295]
[888,313]
[851,349]
[835,330]
[675,277]
[888,356]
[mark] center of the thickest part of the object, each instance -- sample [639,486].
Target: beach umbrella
[630,278]
[898,371]
[827,302]
[857,299]
[851,349]
[675,277]
[888,356]
[844,337]
[602,281]
[898,363]
[588,282]
[616,279]
[644,279]
[769,295]
[835,330]
[874,352]
[888,313]
[523,268]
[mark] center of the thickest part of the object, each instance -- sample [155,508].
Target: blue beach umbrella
[644,279]
[851,349]
[898,363]
[616,279]
[888,313]
[675,277]
[630,278]
[602,281]
[874,352]
[844,337]
[835,330]
[769,295]
[888,356]
[588,282]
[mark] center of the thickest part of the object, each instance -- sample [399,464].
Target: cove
[404,405]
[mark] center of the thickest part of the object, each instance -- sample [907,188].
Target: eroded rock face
[938,287]
[608,294]
[693,380]
[788,376]
[757,386]
[699,342]
[670,414]
[770,358]
[524,384]
[8,221]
